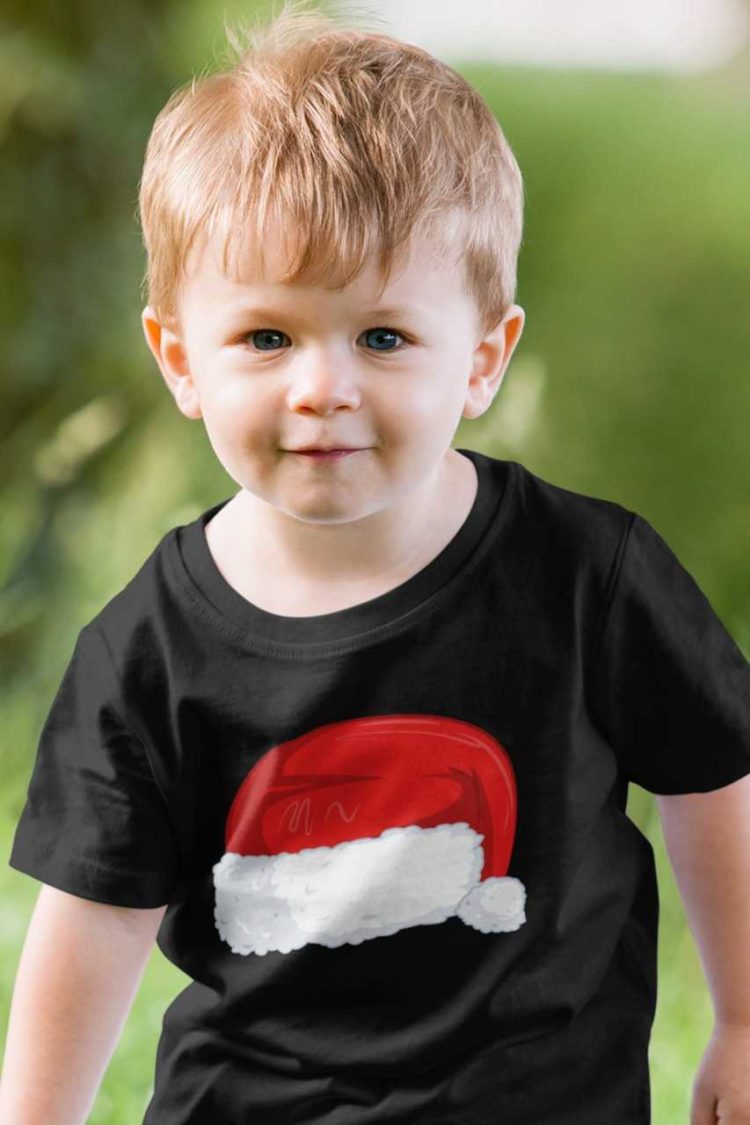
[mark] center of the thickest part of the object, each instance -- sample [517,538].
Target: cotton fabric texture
[393,838]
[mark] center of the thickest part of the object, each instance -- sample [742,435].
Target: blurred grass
[629,383]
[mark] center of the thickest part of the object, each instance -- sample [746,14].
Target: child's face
[391,378]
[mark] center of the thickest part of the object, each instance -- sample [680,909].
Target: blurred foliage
[629,382]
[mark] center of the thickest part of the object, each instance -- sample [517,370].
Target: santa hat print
[361,828]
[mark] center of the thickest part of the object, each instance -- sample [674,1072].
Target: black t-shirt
[393,838]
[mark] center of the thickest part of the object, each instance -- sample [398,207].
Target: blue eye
[260,337]
[265,332]
[380,333]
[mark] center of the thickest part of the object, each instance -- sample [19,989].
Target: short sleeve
[671,687]
[95,823]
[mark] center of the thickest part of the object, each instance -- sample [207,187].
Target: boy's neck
[298,568]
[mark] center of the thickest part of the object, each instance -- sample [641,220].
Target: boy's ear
[490,361]
[171,356]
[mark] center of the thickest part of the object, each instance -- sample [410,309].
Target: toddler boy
[354,744]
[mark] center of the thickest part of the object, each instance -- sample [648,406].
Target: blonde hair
[357,141]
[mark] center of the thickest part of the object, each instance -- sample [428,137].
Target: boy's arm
[78,974]
[708,841]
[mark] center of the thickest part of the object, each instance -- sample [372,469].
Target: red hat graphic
[361,828]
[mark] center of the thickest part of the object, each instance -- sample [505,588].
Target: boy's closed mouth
[326,453]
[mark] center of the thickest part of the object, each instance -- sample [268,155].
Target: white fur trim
[495,905]
[357,890]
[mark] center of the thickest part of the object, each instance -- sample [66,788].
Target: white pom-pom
[495,905]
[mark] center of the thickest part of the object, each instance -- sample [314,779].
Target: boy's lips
[325,454]
[325,449]
[332,448]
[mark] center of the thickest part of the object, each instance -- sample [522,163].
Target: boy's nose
[323,381]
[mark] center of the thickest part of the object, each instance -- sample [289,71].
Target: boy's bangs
[327,254]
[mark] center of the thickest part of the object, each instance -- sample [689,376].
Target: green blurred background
[630,381]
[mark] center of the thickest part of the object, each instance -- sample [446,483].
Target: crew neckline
[356,625]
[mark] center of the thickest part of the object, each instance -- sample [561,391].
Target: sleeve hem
[736,773]
[90,880]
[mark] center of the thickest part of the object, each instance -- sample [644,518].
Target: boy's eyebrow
[382,310]
[397,310]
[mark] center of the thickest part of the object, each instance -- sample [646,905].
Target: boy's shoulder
[570,524]
[132,621]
